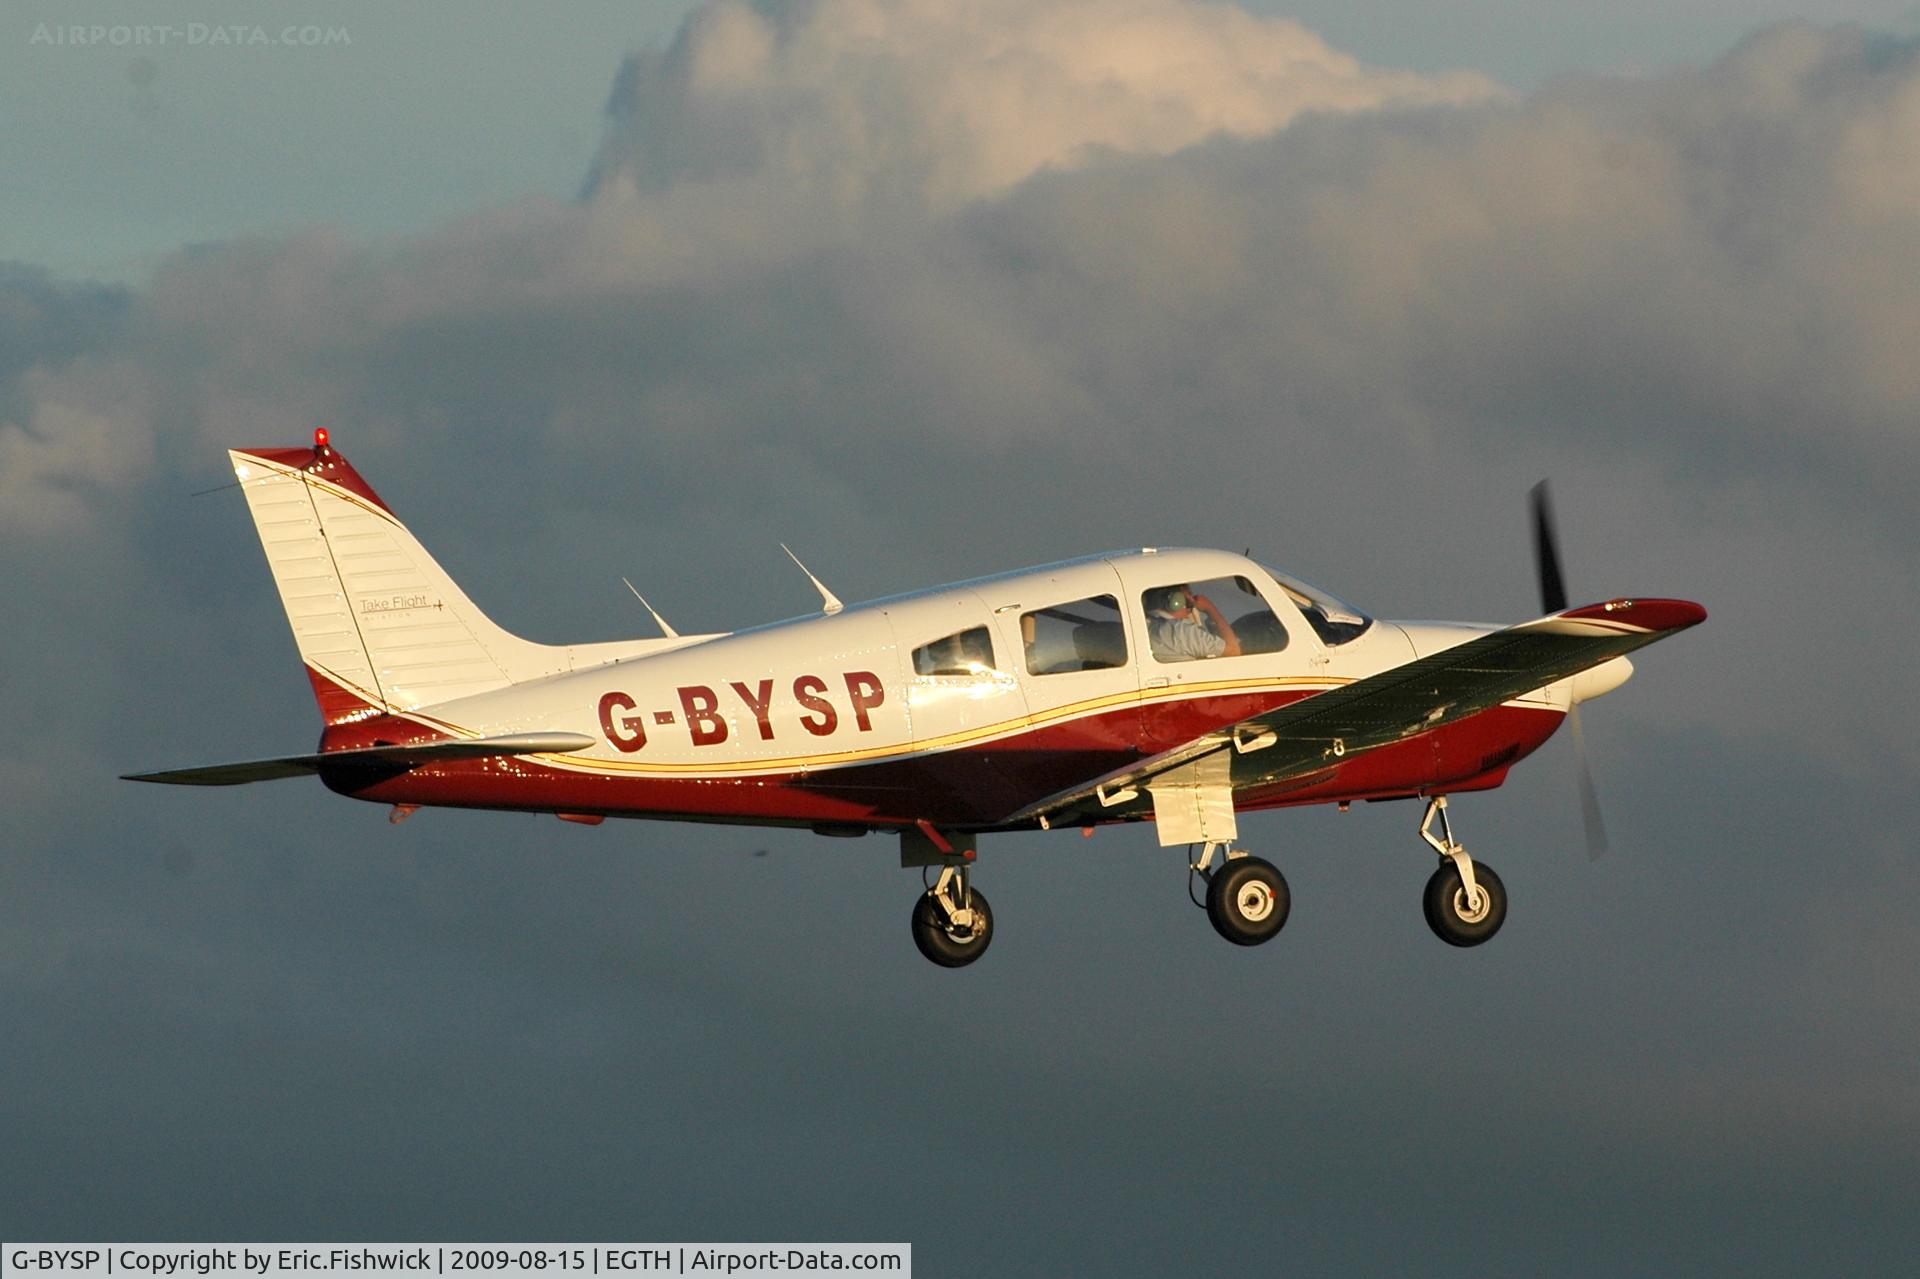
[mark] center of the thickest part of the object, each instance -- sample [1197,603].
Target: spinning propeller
[1553,599]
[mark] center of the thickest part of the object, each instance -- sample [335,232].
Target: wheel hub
[1255,902]
[1471,909]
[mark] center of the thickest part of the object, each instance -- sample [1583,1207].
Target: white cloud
[946,101]
[85,436]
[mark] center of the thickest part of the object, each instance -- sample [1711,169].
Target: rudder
[380,625]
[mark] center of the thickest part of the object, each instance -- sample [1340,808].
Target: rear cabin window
[1080,635]
[968,652]
[1220,617]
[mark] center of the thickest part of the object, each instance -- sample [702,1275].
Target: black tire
[945,945]
[1445,904]
[1248,901]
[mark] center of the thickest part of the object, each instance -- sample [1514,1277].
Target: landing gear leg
[1465,902]
[952,923]
[1247,898]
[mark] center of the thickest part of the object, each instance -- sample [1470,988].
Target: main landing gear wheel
[940,938]
[1459,918]
[1247,900]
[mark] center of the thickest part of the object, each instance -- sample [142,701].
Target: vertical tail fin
[380,625]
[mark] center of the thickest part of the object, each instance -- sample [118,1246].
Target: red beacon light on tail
[320,440]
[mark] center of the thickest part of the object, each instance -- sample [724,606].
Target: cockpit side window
[968,652]
[1080,635]
[1219,617]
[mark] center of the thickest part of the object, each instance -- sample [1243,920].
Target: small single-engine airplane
[1173,686]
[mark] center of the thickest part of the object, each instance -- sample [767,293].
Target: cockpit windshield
[1332,620]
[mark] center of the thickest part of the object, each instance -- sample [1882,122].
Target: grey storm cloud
[1376,278]
[932,289]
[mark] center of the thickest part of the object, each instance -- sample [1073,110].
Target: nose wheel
[1465,901]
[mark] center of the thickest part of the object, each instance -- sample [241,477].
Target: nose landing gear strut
[1465,901]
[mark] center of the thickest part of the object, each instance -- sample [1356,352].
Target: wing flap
[1314,734]
[402,757]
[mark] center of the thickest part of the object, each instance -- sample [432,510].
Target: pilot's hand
[1216,622]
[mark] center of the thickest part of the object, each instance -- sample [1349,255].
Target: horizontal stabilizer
[399,757]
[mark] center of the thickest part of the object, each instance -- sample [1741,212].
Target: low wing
[401,757]
[1313,734]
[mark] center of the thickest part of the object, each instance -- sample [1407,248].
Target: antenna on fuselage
[666,630]
[832,601]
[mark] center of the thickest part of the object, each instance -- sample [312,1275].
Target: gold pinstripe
[832,759]
[800,763]
[1605,625]
[1004,728]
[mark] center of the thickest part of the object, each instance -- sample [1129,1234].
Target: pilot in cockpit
[1182,626]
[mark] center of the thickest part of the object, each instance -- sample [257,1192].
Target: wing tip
[1652,614]
[1647,616]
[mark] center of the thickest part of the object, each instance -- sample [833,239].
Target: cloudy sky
[931,288]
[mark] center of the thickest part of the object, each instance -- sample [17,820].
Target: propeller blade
[1553,599]
[1589,796]
[1546,552]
